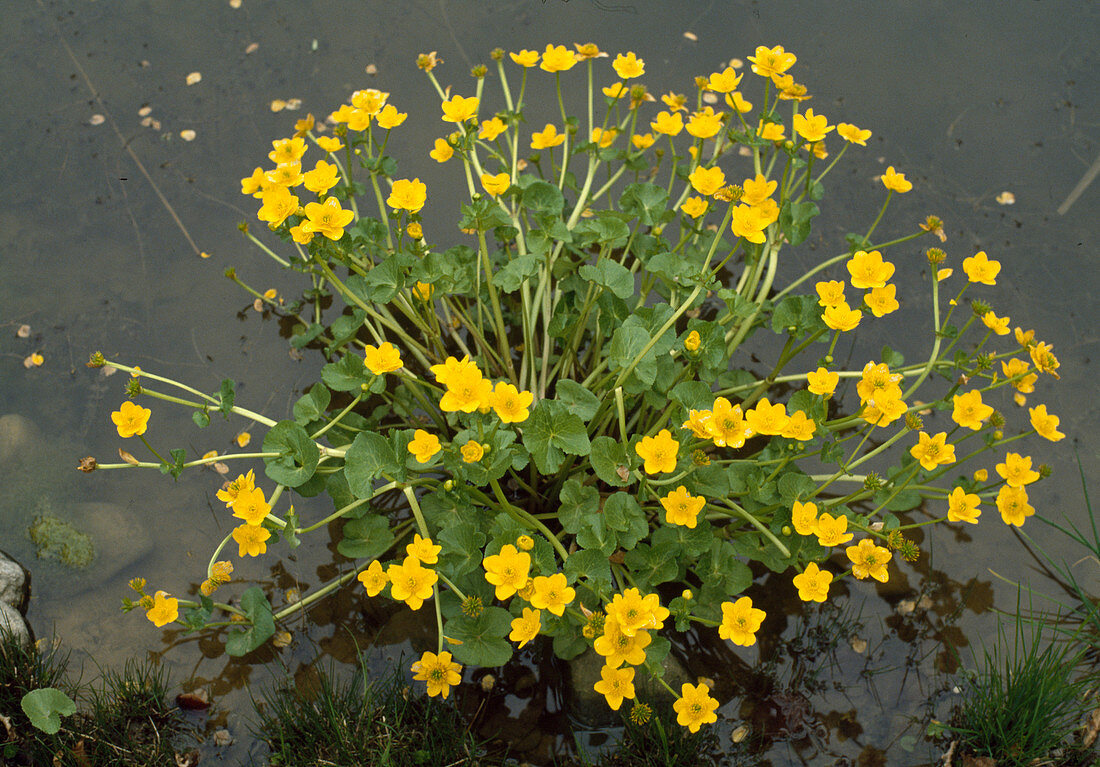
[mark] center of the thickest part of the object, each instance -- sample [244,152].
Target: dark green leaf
[226,395]
[366,538]
[370,456]
[483,638]
[257,610]
[312,405]
[550,432]
[610,462]
[577,399]
[611,275]
[45,707]
[648,202]
[297,454]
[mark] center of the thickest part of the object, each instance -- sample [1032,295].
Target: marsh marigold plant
[556,424]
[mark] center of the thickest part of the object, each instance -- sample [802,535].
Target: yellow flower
[467,390]
[670,124]
[604,138]
[969,410]
[933,451]
[587,51]
[525,543]
[811,127]
[243,439]
[868,270]
[767,418]
[737,102]
[804,517]
[165,610]
[822,382]
[981,475]
[278,204]
[1016,471]
[507,571]
[370,100]
[895,182]
[740,622]
[1044,423]
[1013,505]
[705,123]
[526,627]
[254,184]
[330,143]
[1042,355]
[882,301]
[980,268]
[615,684]
[642,141]
[628,66]
[771,61]
[441,151]
[695,707]
[878,384]
[553,593]
[675,101]
[813,583]
[251,540]
[300,235]
[410,582]
[841,317]
[830,293]
[423,290]
[869,559]
[691,343]
[750,223]
[496,185]
[243,483]
[799,426]
[1024,339]
[131,420]
[327,218]
[707,181]
[852,134]
[883,413]
[725,424]
[682,508]
[384,358]
[423,549]
[770,131]
[943,274]
[1015,367]
[998,325]
[287,150]
[490,129]
[832,531]
[694,206]
[525,58]
[439,671]
[618,647]
[323,177]
[472,451]
[557,59]
[963,506]
[250,506]
[424,446]
[509,403]
[547,137]
[724,81]
[374,579]
[414,230]
[286,174]
[389,117]
[659,452]
[408,195]
[459,109]
[616,90]
[758,189]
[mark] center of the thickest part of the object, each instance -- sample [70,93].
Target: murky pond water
[102,224]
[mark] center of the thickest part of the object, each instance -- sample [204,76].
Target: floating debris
[1006,198]
[252,48]
[24,331]
[96,119]
[194,77]
[281,639]
[371,69]
[692,36]
[145,111]
[243,439]
[33,361]
[187,134]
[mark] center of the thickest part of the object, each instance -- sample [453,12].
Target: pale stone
[18,434]
[13,583]
[12,622]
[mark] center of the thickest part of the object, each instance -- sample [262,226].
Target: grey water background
[968,100]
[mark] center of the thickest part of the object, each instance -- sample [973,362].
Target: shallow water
[968,103]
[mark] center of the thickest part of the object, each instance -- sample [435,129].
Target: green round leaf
[297,454]
[46,706]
